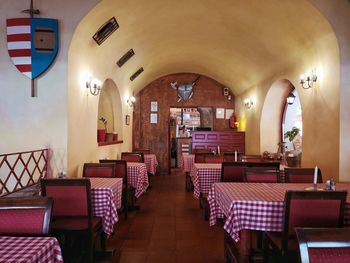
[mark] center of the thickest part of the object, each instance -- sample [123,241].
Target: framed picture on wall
[154,118]
[127,119]
[229,113]
[154,106]
[220,113]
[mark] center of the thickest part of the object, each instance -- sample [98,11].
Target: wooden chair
[142,150]
[304,209]
[323,244]
[230,156]
[25,216]
[121,171]
[200,157]
[73,222]
[232,172]
[301,175]
[260,174]
[105,170]
[209,158]
[136,157]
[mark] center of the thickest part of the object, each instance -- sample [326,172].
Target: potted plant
[292,157]
[101,133]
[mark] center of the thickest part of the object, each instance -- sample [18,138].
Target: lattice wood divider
[18,170]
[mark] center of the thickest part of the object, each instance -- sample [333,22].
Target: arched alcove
[272,113]
[109,108]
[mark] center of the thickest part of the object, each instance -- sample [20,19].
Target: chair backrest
[194,151]
[142,150]
[209,158]
[232,172]
[136,157]
[25,216]
[230,156]
[72,197]
[324,244]
[121,169]
[301,175]
[106,170]
[261,174]
[200,157]
[312,209]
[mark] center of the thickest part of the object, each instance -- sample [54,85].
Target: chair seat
[70,223]
[276,238]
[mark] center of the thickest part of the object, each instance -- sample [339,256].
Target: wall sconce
[248,103]
[227,93]
[290,98]
[131,100]
[94,85]
[309,79]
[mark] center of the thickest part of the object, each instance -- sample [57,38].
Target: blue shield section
[44,44]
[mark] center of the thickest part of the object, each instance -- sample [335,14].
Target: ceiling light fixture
[290,98]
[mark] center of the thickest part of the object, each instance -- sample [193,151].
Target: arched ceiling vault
[236,42]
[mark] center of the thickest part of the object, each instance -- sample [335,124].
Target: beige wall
[320,106]
[34,123]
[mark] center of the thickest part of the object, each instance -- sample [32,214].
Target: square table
[30,249]
[203,176]
[151,163]
[106,198]
[254,206]
[137,177]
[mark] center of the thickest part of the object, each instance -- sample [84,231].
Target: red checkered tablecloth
[187,162]
[254,206]
[30,249]
[203,176]
[151,163]
[137,177]
[106,198]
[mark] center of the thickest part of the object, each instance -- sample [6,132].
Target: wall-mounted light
[290,98]
[131,100]
[248,103]
[308,81]
[94,86]
[227,93]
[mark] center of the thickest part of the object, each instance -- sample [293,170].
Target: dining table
[151,163]
[137,177]
[255,206]
[106,198]
[187,162]
[30,249]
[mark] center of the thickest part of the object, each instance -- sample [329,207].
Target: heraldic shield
[32,44]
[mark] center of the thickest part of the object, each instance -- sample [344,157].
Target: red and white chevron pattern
[19,44]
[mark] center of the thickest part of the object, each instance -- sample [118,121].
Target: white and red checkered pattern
[151,163]
[106,198]
[254,206]
[187,162]
[30,250]
[203,176]
[137,177]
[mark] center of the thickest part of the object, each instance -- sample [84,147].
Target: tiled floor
[168,228]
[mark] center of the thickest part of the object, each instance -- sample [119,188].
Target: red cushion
[261,177]
[21,221]
[301,178]
[233,174]
[132,158]
[329,255]
[213,159]
[68,200]
[313,213]
[98,172]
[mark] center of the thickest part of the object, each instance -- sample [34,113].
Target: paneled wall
[207,93]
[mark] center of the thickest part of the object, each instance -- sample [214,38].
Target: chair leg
[149,181]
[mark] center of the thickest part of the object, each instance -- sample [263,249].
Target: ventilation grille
[125,57]
[106,30]
[136,74]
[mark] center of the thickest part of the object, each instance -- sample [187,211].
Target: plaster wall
[28,123]
[338,16]
[320,106]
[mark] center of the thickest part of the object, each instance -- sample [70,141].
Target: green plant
[291,134]
[104,121]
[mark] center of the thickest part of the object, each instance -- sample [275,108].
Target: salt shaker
[332,185]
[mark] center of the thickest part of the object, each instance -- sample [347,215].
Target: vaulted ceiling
[236,42]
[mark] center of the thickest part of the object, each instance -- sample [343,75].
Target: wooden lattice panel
[19,170]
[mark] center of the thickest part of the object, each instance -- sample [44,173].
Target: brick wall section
[207,93]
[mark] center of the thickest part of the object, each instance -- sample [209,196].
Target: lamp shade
[290,98]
